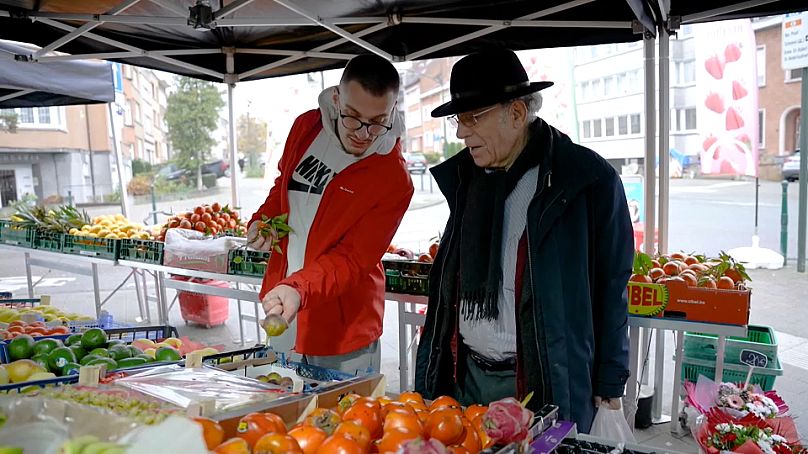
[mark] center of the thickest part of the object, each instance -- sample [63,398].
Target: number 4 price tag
[753,359]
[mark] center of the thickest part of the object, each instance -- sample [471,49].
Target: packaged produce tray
[406,276]
[47,240]
[16,234]
[92,247]
[759,338]
[146,251]
[245,262]
[692,368]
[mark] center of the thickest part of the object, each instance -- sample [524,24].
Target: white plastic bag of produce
[611,425]
[175,434]
[194,250]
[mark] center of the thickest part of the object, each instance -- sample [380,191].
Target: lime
[41,359]
[73,339]
[88,358]
[133,351]
[100,352]
[21,347]
[115,342]
[167,354]
[71,369]
[79,351]
[131,362]
[93,338]
[46,346]
[119,352]
[144,356]
[59,357]
[109,362]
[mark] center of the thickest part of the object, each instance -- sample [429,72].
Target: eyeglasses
[469,119]
[355,124]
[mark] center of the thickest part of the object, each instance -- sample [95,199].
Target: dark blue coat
[580,252]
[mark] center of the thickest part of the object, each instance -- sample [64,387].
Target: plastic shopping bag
[611,425]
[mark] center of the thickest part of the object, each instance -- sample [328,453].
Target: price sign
[754,359]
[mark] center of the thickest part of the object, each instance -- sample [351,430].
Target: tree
[252,138]
[8,121]
[192,116]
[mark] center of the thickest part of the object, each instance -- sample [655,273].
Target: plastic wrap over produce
[194,250]
[203,386]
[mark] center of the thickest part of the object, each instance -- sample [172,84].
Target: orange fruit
[309,438]
[355,431]
[471,439]
[473,411]
[445,425]
[392,440]
[212,431]
[337,444]
[367,415]
[444,401]
[233,446]
[396,406]
[325,419]
[347,402]
[403,420]
[277,444]
[458,449]
[253,426]
[411,396]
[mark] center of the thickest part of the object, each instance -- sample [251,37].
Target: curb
[425,205]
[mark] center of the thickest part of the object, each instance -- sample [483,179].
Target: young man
[528,289]
[345,186]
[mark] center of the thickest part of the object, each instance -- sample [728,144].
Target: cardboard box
[675,299]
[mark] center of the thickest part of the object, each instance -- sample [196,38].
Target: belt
[490,365]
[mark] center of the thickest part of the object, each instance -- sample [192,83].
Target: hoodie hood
[382,144]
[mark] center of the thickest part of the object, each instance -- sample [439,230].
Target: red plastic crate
[207,310]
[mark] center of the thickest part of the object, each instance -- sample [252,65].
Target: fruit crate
[247,263]
[146,251]
[759,338]
[5,358]
[20,302]
[406,276]
[47,240]
[157,332]
[93,247]
[692,368]
[16,234]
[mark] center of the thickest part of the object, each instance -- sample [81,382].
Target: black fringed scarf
[480,242]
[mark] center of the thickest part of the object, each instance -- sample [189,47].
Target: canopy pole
[231,145]
[119,163]
[650,144]
[664,137]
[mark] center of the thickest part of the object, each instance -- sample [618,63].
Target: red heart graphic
[715,67]
[738,91]
[708,142]
[715,103]
[745,139]
[734,119]
[732,53]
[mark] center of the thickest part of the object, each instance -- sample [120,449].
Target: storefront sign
[795,41]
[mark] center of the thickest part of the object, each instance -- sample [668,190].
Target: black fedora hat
[485,78]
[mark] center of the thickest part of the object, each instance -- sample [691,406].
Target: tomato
[309,438]
[186,224]
[254,425]
[356,432]
[16,329]
[400,419]
[473,411]
[212,431]
[37,332]
[200,227]
[671,269]
[60,330]
[37,324]
[445,425]
[725,283]
[17,323]
[368,415]
[276,444]
[226,217]
[433,250]
[208,209]
[199,210]
[337,444]
[206,218]
[221,222]
[232,224]
[233,446]
[392,440]
[195,218]
[444,401]
[325,419]
[216,207]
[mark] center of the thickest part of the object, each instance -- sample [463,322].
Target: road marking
[708,189]
[13,283]
[792,350]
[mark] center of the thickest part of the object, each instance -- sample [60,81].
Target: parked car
[791,167]
[416,163]
[220,168]
[171,172]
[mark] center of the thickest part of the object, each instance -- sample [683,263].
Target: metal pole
[153,206]
[803,174]
[231,143]
[784,223]
[664,137]
[650,144]
[119,161]
[757,201]
[90,148]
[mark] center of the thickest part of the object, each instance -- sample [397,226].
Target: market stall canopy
[240,40]
[55,83]
[691,12]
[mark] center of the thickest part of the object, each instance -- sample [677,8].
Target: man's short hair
[374,73]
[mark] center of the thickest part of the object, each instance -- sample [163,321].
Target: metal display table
[409,321]
[678,327]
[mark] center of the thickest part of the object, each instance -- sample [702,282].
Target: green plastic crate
[48,240]
[759,338]
[406,276]
[146,251]
[692,368]
[17,235]
[106,248]
[247,263]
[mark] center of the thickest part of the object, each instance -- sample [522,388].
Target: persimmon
[309,438]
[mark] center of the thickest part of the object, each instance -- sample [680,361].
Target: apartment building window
[138,117]
[609,126]
[608,86]
[140,148]
[622,87]
[127,113]
[597,88]
[683,119]
[127,71]
[40,117]
[686,30]
[634,81]
[25,115]
[684,72]
[762,128]
[44,116]
[622,125]
[587,90]
[596,128]
[760,62]
[586,127]
[793,75]
[635,124]
[690,119]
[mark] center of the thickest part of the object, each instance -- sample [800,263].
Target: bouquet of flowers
[735,400]
[750,435]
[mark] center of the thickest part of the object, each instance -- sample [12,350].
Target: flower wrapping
[507,421]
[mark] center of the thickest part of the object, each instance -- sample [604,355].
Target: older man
[527,293]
